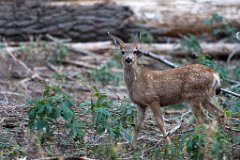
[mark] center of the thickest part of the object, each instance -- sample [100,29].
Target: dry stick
[66,41]
[4,93]
[9,52]
[87,65]
[172,65]
[233,54]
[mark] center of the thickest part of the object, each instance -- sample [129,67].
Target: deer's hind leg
[141,112]
[213,109]
[155,107]
[197,110]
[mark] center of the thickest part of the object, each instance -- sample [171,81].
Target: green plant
[205,60]
[105,75]
[9,148]
[226,27]
[207,141]
[237,73]
[146,37]
[191,42]
[114,118]
[48,110]
[59,53]
[232,104]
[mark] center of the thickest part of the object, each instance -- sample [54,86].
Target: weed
[116,121]
[237,73]
[59,53]
[205,142]
[105,75]
[146,37]
[191,42]
[48,110]
[9,148]
[226,27]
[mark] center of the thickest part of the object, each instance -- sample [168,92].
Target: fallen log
[21,19]
[90,20]
[174,49]
[211,49]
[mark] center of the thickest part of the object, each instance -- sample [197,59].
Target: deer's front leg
[141,110]
[155,107]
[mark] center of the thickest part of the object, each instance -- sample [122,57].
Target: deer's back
[174,85]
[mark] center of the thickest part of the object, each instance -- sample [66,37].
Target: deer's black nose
[128,60]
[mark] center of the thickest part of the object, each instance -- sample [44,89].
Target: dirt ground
[24,76]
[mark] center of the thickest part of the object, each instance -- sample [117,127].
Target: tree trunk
[90,20]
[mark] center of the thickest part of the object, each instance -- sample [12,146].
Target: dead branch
[4,94]
[230,92]
[87,65]
[9,52]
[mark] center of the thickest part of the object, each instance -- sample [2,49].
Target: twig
[11,93]
[232,54]
[172,65]
[232,81]
[230,92]
[4,93]
[87,65]
[9,52]
[58,39]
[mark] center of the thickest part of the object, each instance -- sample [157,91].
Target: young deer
[194,84]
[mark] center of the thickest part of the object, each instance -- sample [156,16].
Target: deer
[194,84]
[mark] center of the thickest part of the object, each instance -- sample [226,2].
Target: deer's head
[129,51]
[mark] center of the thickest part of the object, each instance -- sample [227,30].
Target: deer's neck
[131,74]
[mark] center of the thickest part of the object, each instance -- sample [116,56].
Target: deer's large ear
[116,41]
[137,39]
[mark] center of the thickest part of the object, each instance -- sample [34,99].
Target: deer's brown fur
[194,84]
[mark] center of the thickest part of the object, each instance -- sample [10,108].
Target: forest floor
[25,73]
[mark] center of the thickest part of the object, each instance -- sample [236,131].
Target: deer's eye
[135,52]
[123,52]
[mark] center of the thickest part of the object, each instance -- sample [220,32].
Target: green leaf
[183,140]
[236,139]
[85,103]
[40,109]
[217,17]
[190,145]
[68,113]
[126,135]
